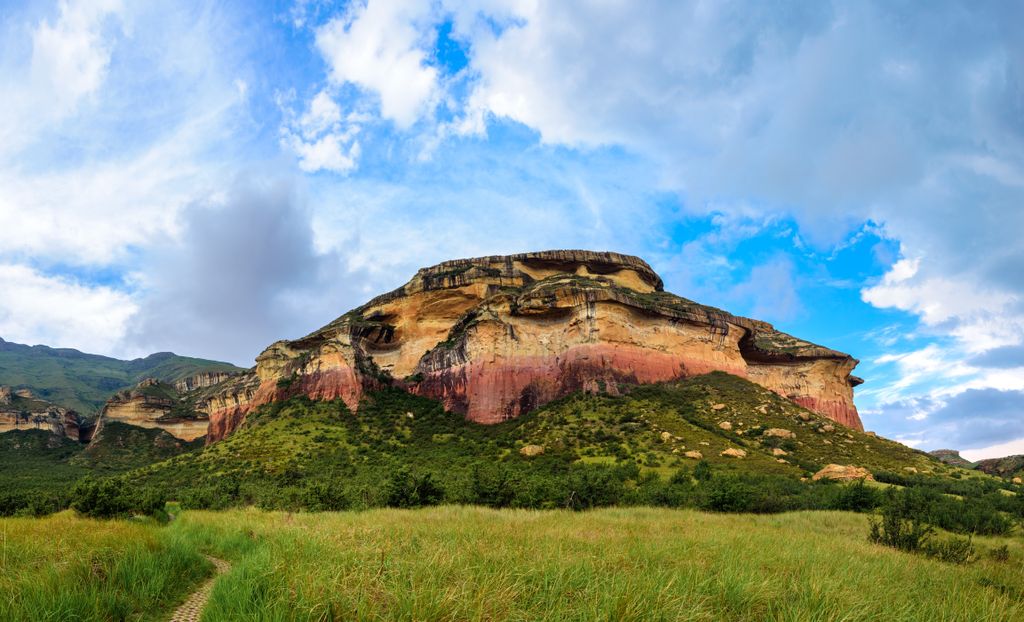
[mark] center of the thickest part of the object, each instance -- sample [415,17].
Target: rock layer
[153,404]
[495,337]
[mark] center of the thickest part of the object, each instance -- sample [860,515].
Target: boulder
[779,433]
[779,452]
[725,425]
[732,452]
[696,455]
[531,450]
[841,472]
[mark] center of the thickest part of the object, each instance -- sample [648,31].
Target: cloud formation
[241,274]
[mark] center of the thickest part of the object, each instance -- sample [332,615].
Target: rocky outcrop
[201,381]
[153,404]
[495,337]
[952,457]
[843,473]
[20,409]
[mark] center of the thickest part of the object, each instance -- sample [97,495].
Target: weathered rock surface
[952,457]
[495,337]
[153,404]
[20,409]
[843,472]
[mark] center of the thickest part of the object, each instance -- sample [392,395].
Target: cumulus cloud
[44,309]
[242,273]
[379,46]
[321,138]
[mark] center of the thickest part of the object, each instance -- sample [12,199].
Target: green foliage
[901,525]
[405,489]
[856,497]
[113,497]
[951,550]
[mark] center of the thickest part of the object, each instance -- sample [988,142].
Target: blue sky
[210,177]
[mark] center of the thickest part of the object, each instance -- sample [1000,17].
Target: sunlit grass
[69,568]
[463,563]
[468,563]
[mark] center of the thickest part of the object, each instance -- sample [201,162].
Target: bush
[729,494]
[1000,554]
[952,550]
[702,472]
[592,487]
[324,497]
[492,486]
[405,489]
[856,497]
[900,526]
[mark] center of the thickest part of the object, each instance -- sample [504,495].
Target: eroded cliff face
[495,337]
[20,409]
[153,404]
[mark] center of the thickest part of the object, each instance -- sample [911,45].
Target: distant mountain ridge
[82,381]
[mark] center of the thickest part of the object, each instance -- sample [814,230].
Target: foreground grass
[67,568]
[464,563]
[467,563]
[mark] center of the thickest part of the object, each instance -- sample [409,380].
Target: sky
[209,177]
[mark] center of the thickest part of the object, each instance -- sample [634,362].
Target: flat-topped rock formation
[495,337]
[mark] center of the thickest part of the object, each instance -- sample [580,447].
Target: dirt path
[192,609]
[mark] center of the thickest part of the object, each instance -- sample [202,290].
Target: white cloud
[39,308]
[101,181]
[1010,448]
[320,137]
[379,47]
[70,56]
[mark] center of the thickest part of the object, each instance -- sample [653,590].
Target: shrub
[856,497]
[405,489]
[324,497]
[900,525]
[1000,554]
[729,494]
[952,550]
[492,486]
[702,472]
[593,486]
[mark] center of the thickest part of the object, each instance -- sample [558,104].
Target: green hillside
[640,439]
[83,381]
[38,469]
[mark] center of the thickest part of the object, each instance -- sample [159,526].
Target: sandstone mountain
[495,337]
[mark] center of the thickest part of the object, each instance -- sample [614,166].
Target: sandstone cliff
[154,404]
[495,337]
[20,409]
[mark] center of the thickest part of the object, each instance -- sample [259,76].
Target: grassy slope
[462,563]
[84,381]
[299,439]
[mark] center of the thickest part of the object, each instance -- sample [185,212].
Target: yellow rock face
[495,337]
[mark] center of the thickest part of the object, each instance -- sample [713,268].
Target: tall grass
[463,563]
[470,563]
[67,568]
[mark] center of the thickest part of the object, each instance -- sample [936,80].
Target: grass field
[468,563]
